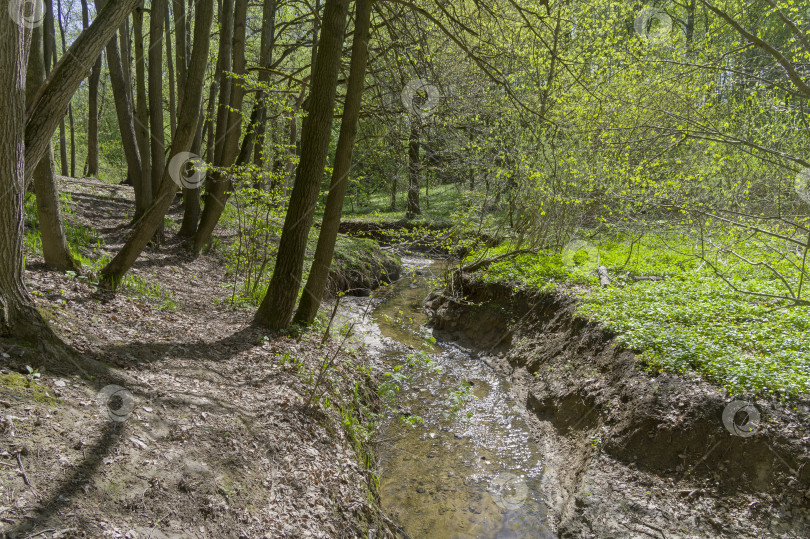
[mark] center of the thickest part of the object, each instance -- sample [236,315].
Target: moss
[22,386]
[360,264]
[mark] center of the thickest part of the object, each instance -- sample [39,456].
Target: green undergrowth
[84,242]
[256,217]
[692,321]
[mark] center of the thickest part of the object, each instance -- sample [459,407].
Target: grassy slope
[689,322]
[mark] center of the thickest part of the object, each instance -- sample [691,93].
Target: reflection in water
[469,472]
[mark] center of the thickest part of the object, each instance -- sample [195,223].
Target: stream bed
[466,464]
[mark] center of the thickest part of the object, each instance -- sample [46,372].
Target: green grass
[437,207]
[690,322]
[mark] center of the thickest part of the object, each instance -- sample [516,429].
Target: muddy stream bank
[466,464]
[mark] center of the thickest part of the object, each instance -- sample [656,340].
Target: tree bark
[413,171]
[72,126]
[218,126]
[324,252]
[142,117]
[277,307]
[18,316]
[227,143]
[170,70]
[53,97]
[55,248]
[191,197]
[124,112]
[62,136]
[156,132]
[112,274]
[258,117]
[92,105]
[181,43]
[50,61]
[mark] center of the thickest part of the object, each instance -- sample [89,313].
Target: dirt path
[212,440]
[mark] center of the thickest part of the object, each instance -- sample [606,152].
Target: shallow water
[469,471]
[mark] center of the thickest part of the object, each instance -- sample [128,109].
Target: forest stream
[470,467]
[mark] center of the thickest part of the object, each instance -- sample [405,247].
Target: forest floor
[213,437]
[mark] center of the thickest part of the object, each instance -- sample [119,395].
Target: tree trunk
[227,143]
[72,126]
[125,47]
[393,206]
[219,121]
[277,307]
[265,60]
[63,159]
[191,197]
[123,109]
[170,69]
[18,316]
[55,248]
[184,137]
[413,171]
[142,117]
[258,117]
[50,61]
[92,105]
[53,97]
[181,43]
[319,273]
[157,137]
[62,136]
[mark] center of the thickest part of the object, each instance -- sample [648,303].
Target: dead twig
[24,476]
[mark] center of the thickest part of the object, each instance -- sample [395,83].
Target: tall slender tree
[92,104]
[229,121]
[157,14]
[324,252]
[124,110]
[187,120]
[55,248]
[413,170]
[142,114]
[63,138]
[277,307]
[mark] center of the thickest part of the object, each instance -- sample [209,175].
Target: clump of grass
[84,242]
[149,291]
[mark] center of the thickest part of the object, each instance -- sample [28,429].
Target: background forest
[667,138]
[189,188]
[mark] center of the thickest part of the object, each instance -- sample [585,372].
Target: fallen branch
[25,477]
[489,261]
[604,279]
[647,277]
